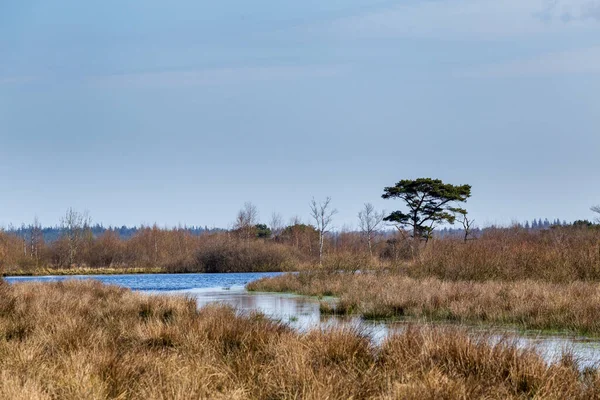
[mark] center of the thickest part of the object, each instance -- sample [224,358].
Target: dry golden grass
[557,255]
[44,271]
[527,304]
[84,340]
[222,255]
[561,254]
[151,250]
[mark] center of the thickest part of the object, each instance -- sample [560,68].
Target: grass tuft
[525,304]
[86,340]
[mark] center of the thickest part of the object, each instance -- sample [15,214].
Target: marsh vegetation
[74,340]
[88,340]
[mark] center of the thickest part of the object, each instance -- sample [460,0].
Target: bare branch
[323,214]
[369,222]
[246,219]
[276,224]
[73,226]
[596,209]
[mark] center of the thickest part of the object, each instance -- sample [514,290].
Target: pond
[159,282]
[303,313]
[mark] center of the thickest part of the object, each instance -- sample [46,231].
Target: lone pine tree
[429,202]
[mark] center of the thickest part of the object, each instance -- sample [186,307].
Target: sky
[147,111]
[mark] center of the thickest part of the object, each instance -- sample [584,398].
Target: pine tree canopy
[429,202]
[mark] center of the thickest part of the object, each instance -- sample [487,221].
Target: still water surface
[160,282]
[303,313]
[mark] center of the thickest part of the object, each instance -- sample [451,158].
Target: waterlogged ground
[303,312]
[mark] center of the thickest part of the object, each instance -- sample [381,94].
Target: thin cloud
[580,61]
[458,19]
[570,11]
[591,10]
[218,76]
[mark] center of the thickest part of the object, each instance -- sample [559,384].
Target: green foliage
[429,201]
[583,223]
[262,231]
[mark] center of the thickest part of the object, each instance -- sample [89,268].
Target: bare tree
[323,214]
[23,234]
[73,226]
[36,239]
[276,224]
[369,222]
[463,218]
[246,219]
[596,209]
[295,221]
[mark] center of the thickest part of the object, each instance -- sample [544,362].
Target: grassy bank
[85,271]
[527,304]
[151,250]
[84,340]
[558,255]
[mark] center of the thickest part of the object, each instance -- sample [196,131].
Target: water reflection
[297,311]
[303,313]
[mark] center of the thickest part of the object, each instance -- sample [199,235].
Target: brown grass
[526,304]
[84,340]
[557,255]
[219,255]
[151,250]
[44,271]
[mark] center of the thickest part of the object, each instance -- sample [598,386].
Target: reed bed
[560,255]
[526,304]
[85,340]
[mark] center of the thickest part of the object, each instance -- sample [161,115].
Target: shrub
[239,256]
[348,262]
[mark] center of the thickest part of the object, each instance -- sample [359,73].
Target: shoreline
[127,344]
[524,305]
[330,303]
[432,320]
[86,271]
[113,271]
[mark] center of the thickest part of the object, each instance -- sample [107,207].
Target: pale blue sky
[179,112]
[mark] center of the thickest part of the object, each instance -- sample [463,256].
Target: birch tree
[369,222]
[73,227]
[36,239]
[246,219]
[276,224]
[322,213]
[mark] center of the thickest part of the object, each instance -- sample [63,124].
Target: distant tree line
[53,233]
[430,209]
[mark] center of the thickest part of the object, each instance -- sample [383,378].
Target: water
[160,282]
[303,313]
[298,311]
[551,347]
